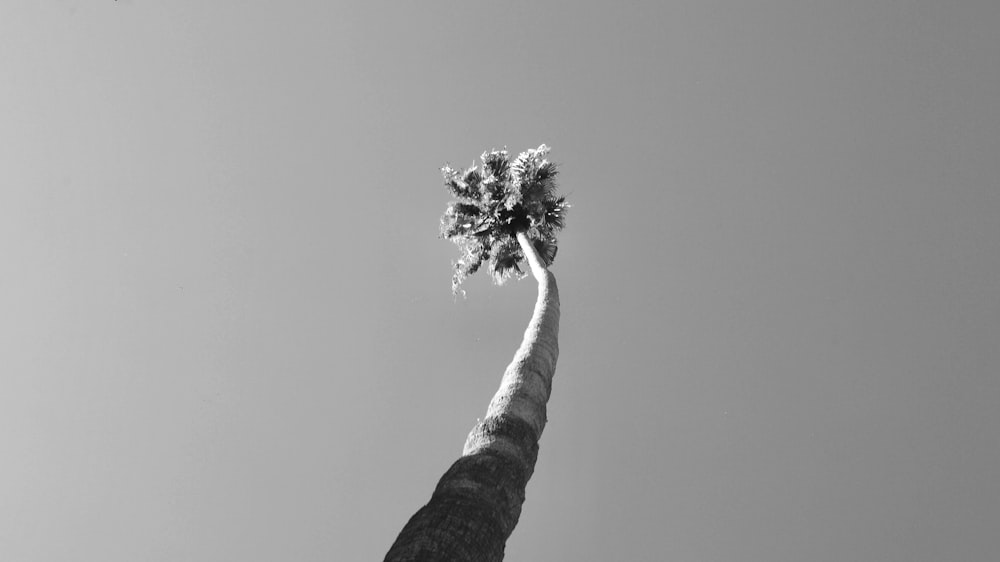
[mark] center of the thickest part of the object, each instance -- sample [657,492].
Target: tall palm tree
[504,214]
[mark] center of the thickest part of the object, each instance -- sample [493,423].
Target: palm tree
[504,214]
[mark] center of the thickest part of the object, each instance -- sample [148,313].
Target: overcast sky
[226,325]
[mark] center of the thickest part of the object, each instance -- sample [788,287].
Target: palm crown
[495,202]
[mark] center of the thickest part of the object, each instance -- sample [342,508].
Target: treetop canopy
[495,201]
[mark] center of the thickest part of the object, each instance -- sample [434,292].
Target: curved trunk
[478,500]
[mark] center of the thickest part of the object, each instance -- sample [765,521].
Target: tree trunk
[477,502]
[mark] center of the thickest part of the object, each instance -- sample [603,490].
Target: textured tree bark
[478,501]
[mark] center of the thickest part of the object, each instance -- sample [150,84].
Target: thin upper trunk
[478,500]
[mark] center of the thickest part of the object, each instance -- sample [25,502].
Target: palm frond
[496,164]
[457,184]
[547,249]
[555,213]
[471,177]
[460,219]
[504,258]
[474,254]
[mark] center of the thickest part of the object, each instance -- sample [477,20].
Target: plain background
[227,329]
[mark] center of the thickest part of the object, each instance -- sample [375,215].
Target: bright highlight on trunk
[477,502]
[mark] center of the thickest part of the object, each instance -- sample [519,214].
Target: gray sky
[227,328]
